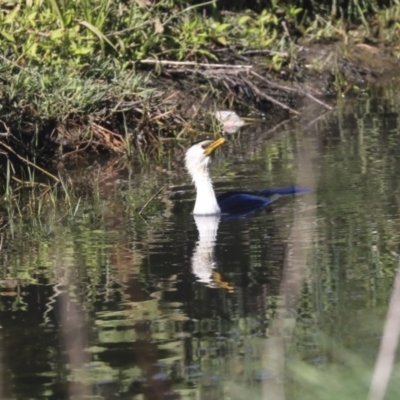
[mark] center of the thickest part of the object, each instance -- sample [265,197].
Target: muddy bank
[184,97]
[320,73]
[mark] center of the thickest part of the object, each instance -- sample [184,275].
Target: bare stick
[312,122]
[285,121]
[27,183]
[271,99]
[151,199]
[310,96]
[257,52]
[30,163]
[16,65]
[208,73]
[77,151]
[272,84]
[195,64]
[293,90]
[126,30]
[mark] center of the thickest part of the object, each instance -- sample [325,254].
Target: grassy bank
[91,76]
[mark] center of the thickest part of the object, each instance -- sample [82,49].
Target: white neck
[206,202]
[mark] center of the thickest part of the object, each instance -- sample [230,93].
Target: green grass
[58,32]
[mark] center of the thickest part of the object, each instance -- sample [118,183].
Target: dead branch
[311,97]
[151,199]
[298,90]
[29,162]
[206,73]
[112,140]
[269,98]
[257,52]
[195,64]
[273,84]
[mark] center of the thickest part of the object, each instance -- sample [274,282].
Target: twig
[269,98]
[285,121]
[151,199]
[161,115]
[310,96]
[312,122]
[293,90]
[195,64]
[127,30]
[26,183]
[256,52]
[7,133]
[30,163]
[16,65]
[207,73]
[5,225]
[112,140]
[77,150]
[43,34]
[272,84]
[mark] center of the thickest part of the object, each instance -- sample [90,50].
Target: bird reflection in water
[204,264]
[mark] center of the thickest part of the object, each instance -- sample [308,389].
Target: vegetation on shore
[91,75]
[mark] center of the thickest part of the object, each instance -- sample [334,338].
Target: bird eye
[204,145]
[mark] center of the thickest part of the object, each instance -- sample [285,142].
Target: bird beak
[213,146]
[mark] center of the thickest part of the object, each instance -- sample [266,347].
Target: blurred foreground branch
[294,273]
[388,347]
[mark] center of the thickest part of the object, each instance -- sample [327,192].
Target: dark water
[99,302]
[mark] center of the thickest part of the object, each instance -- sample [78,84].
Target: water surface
[289,303]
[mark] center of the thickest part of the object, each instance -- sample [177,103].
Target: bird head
[199,155]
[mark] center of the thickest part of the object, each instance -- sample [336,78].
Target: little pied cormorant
[233,203]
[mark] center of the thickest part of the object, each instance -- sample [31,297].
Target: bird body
[243,202]
[233,203]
